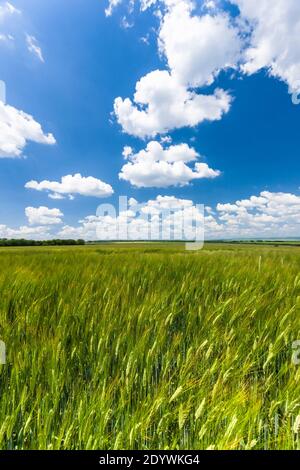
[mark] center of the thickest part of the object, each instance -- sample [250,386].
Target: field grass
[150,347]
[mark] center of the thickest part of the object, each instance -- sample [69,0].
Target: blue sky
[65,62]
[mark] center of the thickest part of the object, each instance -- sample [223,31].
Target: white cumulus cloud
[269,215]
[141,222]
[266,215]
[16,129]
[36,233]
[43,216]
[274,39]
[161,103]
[197,44]
[161,167]
[198,47]
[71,185]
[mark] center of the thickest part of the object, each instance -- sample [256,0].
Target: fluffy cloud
[165,217]
[40,233]
[267,215]
[16,129]
[161,103]
[162,167]
[198,47]
[274,41]
[40,219]
[34,48]
[167,99]
[43,216]
[71,185]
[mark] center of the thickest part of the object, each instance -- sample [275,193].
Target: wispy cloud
[34,47]
[6,37]
[7,9]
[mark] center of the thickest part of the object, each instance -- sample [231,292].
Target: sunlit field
[148,346]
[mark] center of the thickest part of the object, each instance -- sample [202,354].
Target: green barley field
[150,347]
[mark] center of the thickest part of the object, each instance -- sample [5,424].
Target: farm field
[148,346]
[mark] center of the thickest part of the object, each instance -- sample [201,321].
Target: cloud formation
[71,185]
[6,37]
[7,9]
[161,167]
[267,215]
[168,99]
[43,216]
[161,104]
[141,221]
[261,36]
[17,128]
[274,38]
[34,48]
[197,48]
[35,233]
[112,4]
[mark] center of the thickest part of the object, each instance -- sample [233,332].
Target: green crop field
[148,346]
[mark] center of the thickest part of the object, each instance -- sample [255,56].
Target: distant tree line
[23,242]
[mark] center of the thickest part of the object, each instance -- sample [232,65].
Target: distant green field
[148,346]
